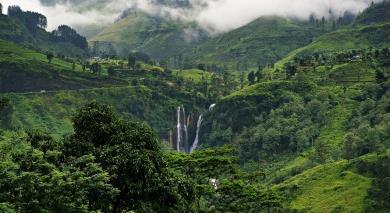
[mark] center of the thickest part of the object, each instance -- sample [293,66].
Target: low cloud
[213,15]
[64,13]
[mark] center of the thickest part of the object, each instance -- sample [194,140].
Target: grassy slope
[263,41]
[370,30]
[331,186]
[333,133]
[355,71]
[13,52]
[327,188]
[13,30]
[344,40]
[33,72]
[193,74]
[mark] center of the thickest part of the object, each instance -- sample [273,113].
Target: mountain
[370,30]
[310,133]
[157,37]
[259,43]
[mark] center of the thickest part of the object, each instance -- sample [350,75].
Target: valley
[159,115]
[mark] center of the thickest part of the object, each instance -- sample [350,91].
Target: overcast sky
[213,15]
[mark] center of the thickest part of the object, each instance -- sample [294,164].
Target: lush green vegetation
[85,173]
[310,133]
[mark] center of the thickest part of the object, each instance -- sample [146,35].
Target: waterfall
[212,107]
[185,129]
[178,138]
[182,130]
[185,123]
[196,141]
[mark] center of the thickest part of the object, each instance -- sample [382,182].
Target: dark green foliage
[130,153]
[29,28]
[376,13]
[6,110]
[49,56]
[291,70]
[66,34]
[242,108]
[292,127]
[111,71]
[108,165]
[95,67]
[37,178]
[238,196]
[233,190]
[32,20]
[251,78]
[13,30]
[131,60]
[378,168]
[369,124]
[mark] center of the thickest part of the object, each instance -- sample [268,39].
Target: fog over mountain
[213,15]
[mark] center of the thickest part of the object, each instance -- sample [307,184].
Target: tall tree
[95,67]
[6,111]
[131,60]
[131,154]
[49,56]
[111,71]
[32,20]
[251,78]
[291,70]
[67,34]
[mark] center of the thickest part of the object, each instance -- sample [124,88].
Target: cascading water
[178,126]
[212,107]
[196,141]
[185,129]
[185,126]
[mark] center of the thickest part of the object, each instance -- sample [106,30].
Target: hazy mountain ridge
[155,36]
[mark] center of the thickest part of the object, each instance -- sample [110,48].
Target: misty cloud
[212,15]
[65,13]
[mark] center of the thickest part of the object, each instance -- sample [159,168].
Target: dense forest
[279,115]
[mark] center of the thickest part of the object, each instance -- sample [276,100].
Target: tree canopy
[65,33]
[32,20]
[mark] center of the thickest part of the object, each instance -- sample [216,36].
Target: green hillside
[34,73]
[376,13]
[370,30]
[12,29]
[155,36]
[280,115]
[259,43]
